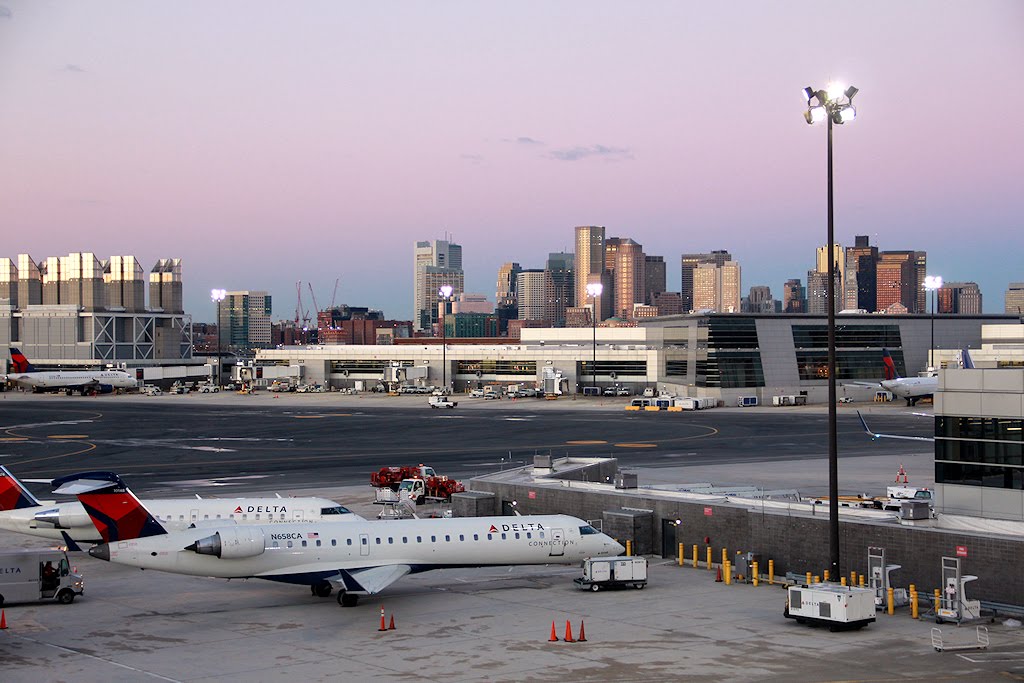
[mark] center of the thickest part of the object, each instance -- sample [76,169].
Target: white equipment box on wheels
[830,604]
[613,572]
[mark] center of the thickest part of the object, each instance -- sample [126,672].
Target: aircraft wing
[875,435]
[372,579]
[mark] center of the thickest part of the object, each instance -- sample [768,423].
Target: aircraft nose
[614,547]
[101,551]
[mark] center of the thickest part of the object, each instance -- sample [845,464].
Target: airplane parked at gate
[69,381]
[23,513]
[358,558]
[910,388]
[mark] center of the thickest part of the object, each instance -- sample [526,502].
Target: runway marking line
[13,438]
[592,442]
[307,417]
[68,436]
[635,445]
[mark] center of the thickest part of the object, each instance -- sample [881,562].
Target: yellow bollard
[727,570]
[694,555]
[860,580]
[890,601]
[809,579]
[913,604]
[725,556]
[853,578]
[842,580]
[681,558]
[937,602]
[825,576]
[912,589]
[753,573]
[817,579]
[629,548]
[709,557]
[771,572]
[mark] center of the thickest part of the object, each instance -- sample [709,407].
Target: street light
[932,283]
[834,105]
[218,295]
[594,290]
[445,295]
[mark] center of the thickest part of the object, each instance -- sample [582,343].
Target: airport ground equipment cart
[980,644]
[613,572]
[828,604]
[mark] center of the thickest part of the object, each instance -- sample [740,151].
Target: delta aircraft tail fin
[19,362]
[115,511]
[13,495]
[890,366]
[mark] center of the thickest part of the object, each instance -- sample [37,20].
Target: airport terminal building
[724,356]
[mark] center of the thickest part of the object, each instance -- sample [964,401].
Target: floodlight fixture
[846,114]
[445,291]
[850,92]
[594,289]
[933,282]
[808,94]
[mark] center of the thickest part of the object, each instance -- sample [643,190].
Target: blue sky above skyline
[265,144]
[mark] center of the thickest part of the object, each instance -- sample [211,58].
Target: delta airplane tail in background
[19,363]
[13,495]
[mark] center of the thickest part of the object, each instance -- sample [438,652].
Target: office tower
[896,280]
[30,282]
[817,293]
[125,282]
[794,297]
[435,263]
[505,293]
[959,298]
[561,286]
[655,277]
[760,300]
[244,321]
[920,272]
[9,281]
[860,276]
[691,261]
[668,303]
[821,260]
[165,288]
[717,288]
[531,285]
[1013,301]
[471,303]
[590,268]
[628,276]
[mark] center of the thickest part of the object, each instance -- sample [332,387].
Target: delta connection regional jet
[21,512]
[357,558]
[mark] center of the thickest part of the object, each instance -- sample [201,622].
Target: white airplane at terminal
[84,381]
[23,513]
[358,558]
[914,388]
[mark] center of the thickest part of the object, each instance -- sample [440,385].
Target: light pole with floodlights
[217,296]
[932,283]
[594,290]
[834,105]
[445,295]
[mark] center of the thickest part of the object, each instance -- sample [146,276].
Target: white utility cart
[613,572]
[830,604]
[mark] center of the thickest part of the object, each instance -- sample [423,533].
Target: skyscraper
[560,283]
[590,267]
[959,298]
[794,297]
[531,285]
[760,300]
[860,275]
[629,277]
[691,261]
[1013,300]
[435,263]
[896,280]
[817,292]
[244,322]
[505,293]
[717,288]
[654,277]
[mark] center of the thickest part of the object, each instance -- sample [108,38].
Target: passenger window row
[419,539]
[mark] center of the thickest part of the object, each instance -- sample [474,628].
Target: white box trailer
[833,605]
[613,572]
[38,575]
[695,402]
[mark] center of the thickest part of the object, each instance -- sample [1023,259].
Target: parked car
[609,391]
[152,390]
[623,391]
[208,388]
[441,402]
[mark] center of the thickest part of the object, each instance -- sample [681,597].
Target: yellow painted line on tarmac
[307,417]
[636,445]
[586,443]
[68,436]
[338,415]
[13,438]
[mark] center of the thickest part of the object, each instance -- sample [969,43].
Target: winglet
[19,361]
[965,356]
[115,511]
[865,425]
[13,495]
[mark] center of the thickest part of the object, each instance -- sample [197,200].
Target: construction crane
[312,294]
[301,315]
[335,295]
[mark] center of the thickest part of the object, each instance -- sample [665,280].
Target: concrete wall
[797,544]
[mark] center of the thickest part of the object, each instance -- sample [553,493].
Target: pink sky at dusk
[265,143]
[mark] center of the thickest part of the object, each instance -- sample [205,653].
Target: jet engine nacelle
[61,518]
[230,544]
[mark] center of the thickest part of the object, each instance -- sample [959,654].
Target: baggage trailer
[613,572]
[828,604]
[38,576]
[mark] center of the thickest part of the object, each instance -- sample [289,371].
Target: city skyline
[319,143]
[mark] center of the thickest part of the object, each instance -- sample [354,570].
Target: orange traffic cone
[554,637]
[718,579]
[391,626]
[383,626]
[3,620]
[583,634]
[568,632]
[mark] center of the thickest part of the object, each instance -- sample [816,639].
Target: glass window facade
[676,368]
[621,368]
[979,451]
[367,365]
[730,370]
[491,366]
[732,333]
[850,364]
[848,336]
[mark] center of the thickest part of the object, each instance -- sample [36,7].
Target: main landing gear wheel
[322,590]
[347,599]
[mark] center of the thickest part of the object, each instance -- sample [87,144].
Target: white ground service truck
[37,576]
[613,572]
[830,604]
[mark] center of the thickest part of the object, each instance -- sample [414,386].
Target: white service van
[38,575]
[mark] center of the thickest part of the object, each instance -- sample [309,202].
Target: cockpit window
[588,530]
[337,510]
